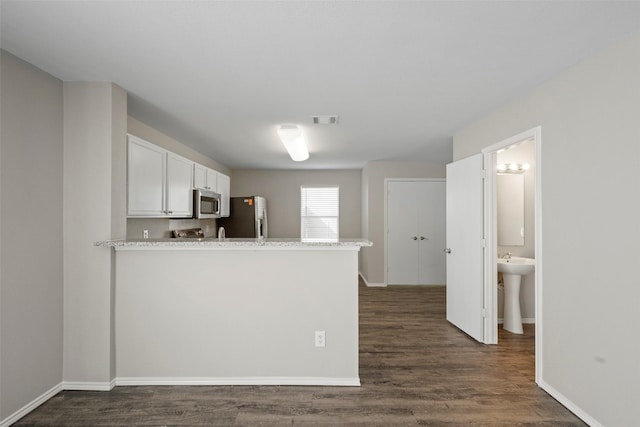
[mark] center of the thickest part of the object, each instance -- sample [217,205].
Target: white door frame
[491,236]
[386,225]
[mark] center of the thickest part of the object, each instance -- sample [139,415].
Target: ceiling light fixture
[513,167]
[293,141]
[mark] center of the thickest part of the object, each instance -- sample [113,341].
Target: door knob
[448,250]
[415,237]
[422,237]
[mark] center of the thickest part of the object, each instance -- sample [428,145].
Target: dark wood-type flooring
[415,369]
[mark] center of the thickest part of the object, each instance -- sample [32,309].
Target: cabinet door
[199,176]
[212,180]
[224,188]
[146,179]
[179,186]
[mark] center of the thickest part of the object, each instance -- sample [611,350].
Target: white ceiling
[403,76]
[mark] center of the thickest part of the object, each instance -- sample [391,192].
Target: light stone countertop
[211,242]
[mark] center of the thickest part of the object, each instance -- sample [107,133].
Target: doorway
[531,245]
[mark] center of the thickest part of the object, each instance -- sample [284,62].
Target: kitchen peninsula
[236,311]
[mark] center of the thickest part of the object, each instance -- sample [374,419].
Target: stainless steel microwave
[206,204]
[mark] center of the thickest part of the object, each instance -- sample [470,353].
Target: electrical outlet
[145,234]
[320,339]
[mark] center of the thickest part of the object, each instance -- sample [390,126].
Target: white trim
[386,224]
[31,405]
[538,254]
[305,381]
[132,381]
[564,401]
[490,250]
[372,285]
[89,386]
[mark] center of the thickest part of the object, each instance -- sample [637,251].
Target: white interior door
[432,232]
[402,237]
[416,233]
[465,246]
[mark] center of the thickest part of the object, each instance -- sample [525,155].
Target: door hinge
[483,174]
[484,313]
[483,242]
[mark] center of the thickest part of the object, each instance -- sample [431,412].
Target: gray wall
[282,191]
[590,209]
[94,200]
[146,132]
[240,315]
[372,260]
[31,276]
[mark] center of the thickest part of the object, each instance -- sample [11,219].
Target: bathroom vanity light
[293,141]
[513,167]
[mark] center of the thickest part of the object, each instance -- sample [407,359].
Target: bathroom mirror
[510,200]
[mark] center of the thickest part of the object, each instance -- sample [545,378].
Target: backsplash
[161,228]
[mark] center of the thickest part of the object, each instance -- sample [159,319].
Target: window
[319,209]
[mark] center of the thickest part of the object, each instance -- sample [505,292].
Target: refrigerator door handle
[265,224]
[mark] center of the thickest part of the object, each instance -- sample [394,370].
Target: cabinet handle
[422,238]
[415,237]
[448,250]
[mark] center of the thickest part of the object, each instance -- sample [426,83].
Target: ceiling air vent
[325,120]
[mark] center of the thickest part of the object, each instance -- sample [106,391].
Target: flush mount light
[293,141]
[513,167]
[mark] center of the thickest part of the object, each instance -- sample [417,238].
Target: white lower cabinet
[159,182]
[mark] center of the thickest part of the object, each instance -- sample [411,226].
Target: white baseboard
[305,381]
[31,405]
[372,285]
[569,404]
[89,386]
[129,381]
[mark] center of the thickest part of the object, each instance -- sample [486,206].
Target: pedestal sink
[512,270]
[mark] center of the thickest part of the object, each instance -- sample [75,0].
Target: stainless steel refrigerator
[247,218]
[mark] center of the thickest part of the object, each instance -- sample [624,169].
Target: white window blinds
[319,209]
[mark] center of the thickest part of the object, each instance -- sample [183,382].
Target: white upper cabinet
[212,180]
[208,179]
[159,182]
[199,176]
[146,179]
[204,178]
[224,188]
[179,190]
